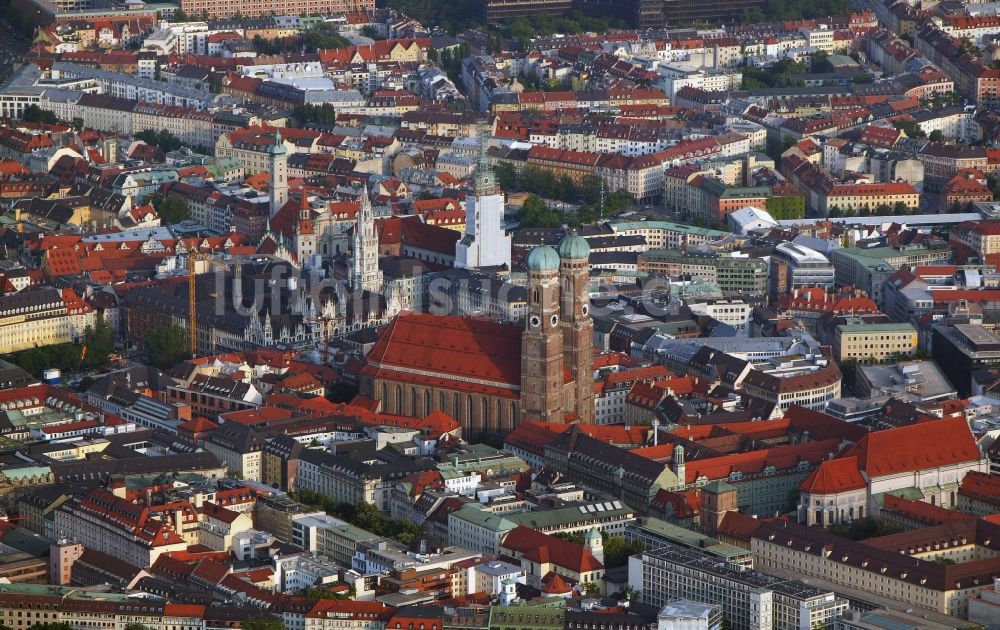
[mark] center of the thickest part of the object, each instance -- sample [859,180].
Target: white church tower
[486,242]
[278,156]
[365,273]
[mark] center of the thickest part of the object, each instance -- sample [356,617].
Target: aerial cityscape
[499,315]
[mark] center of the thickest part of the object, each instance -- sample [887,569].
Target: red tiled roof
[835,475]
[981,486]
[781,457]
[544,549]
[916,447]
[451,346]
[554,584]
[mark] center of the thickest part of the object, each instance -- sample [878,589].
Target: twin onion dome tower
[557,347]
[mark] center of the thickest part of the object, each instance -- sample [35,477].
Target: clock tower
[542,374]
[575,322]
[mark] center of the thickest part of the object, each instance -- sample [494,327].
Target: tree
[262,623]
[100,342]
[909,127]
[172,210]
[317,593]
[506,175]
[848,368]
[864,528]
[369,518]
[341,391]
[590,589]
[752,15]
[535,213]
[166,346]
[34,113]
[820,62]
[936,136]
[163,139]
[618,201]
[617,551]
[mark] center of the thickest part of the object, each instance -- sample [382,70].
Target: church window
[486,413]
[414,400]
[399,399]
[468,409]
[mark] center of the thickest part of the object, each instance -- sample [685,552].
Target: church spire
[365,273]
[485,242]
[484,181]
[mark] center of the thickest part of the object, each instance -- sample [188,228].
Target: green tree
[262,623]
[909,127]
[936,136]
[864,528]
[820,62]
[617,551]
[752,15]
[589,188]
[536,213]
[369,518]
[166,346]
[172,210]
[163,139]
[506,176]
[100,342]
[34,113]
[341,391]
[618,201]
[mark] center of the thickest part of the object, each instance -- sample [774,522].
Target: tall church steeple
[576,325]
[278,157]
[365,273]
[305,235]
[542,375]
[485,242]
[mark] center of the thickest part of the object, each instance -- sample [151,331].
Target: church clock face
[534,321]
[554,320]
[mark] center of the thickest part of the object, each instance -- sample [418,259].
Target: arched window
[427,402]
[468,410]
[442,402]
[456,409]
[513,416]
[399,399]
[385,392]
[414,401]
[500,424]
[486,414]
